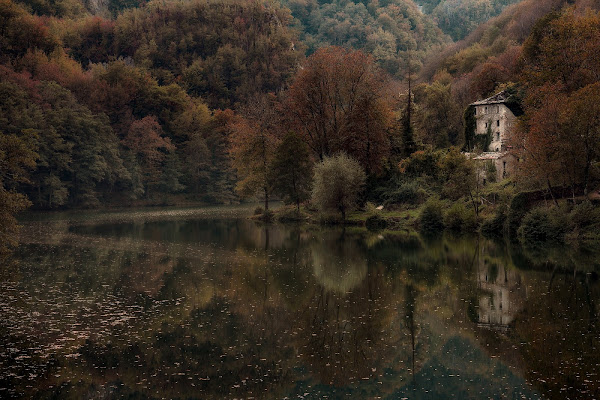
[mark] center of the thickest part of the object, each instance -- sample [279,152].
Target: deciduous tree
[339,102]
[253,141]
[338,182]
[146,142]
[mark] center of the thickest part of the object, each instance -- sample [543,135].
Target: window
[498,123]
[486,110]
[497,135]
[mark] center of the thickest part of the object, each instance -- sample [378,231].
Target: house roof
[498,98]
[503,97]
[492,155]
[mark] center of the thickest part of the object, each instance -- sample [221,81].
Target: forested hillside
[458,18]
[487,60]
[122,109]
[200,100]
[392,31]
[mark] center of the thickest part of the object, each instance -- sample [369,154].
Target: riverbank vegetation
[218,101]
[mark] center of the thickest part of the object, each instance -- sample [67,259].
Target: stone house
[497,116]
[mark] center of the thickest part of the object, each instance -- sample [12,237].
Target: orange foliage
[339,102]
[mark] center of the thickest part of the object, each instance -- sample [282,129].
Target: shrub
[544,224]
[495,225]
[490,171]
[460,218]
[267,216]
[407,192]
[290,214]
[584,215]
[431,219]
[519,206]
[258,210]
[375,222]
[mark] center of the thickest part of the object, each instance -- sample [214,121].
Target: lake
[205,303]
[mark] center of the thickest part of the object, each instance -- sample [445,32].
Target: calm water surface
[203,303]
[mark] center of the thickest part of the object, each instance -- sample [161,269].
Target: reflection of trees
[409,320]
[339,264]
[557,333]
[246,317]
[348,336]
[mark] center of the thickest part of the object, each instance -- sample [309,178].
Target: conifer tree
[291,170]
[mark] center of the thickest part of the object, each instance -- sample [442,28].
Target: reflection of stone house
[503,294]
[496,116]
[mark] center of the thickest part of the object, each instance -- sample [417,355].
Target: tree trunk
[551,192]
[266,199]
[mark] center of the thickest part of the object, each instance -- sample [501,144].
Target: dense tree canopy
[559,139]
[458,18]
[340,101]
[387,30]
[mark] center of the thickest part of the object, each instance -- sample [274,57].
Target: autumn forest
[129,102]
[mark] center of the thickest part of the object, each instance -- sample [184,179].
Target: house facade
[496,117]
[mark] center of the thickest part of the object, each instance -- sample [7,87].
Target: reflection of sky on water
[193,306]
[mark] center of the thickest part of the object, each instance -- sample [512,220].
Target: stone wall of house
[500,119]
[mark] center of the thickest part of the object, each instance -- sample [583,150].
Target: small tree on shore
[338,182]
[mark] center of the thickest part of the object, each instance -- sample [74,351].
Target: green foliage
[17,157]
[495,225]
[459,17]
[171,174]
[542,224]
[431,219]
[437,116]
[482,142]
[338,182]
[491,173]
[420,163]
[375,223]
[392,31]
[410,192]
[57,8]
[290,214]
[457,174]
[221,51]
[585,219]
[291,170]
[519,206]
[459,218]
[470,123]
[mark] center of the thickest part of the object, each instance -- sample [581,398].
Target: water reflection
[199,307]
[503,292]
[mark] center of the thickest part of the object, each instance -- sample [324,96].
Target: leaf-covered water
[202,303]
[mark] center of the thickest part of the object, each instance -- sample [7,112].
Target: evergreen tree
[291,170]
[408,137]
